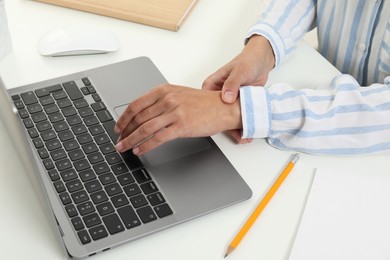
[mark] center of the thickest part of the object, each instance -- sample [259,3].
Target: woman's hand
[168,112]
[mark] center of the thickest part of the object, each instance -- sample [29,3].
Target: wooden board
[167,14]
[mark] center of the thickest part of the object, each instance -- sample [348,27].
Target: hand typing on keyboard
[169,112]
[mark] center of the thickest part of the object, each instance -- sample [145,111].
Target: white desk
[211,36]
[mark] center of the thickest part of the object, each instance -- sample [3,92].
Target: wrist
[261,47]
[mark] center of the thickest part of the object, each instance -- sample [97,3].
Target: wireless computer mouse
[66,42]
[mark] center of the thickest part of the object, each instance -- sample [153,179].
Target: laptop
[97,198]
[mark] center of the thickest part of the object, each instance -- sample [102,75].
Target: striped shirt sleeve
[341,119]
[283,23]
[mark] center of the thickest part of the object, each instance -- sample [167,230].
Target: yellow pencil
[237,239]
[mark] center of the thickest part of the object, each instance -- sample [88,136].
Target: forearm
[283,23]
[344,119]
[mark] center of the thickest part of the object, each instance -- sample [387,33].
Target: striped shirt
[343,118]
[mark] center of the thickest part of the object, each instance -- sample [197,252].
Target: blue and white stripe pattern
[343,118]
[354,35]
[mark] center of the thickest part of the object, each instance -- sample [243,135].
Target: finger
[231,87]
[161,137]
[235,134]
[155,110]
[135,107]
[142,133]
[215,81]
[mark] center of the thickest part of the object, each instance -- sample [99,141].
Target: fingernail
[119,147]
[117,130]
[136,150]
[228,96]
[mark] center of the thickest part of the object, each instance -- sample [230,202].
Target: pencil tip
[225,256]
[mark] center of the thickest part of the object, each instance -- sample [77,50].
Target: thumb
[230,89]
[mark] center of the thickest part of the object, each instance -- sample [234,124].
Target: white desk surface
[212,35]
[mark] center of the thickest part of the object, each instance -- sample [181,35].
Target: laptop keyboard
[102,191]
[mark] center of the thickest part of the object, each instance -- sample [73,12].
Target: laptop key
[71,210]
[95,158]
[86,81]
[141,176]
[85,91]
[49,135]
[104,116]
[33,132]
[76,155]
[129,217]
[163,210]
[68,175]
[85,208]
[85,138]
[43,153]
[65,198]
[50,109]
[149,187]
[101,168]
[28,123]
[84,237]
[74,120]
[146,214]
[119,200]
[34,108]
[77,223]
[93,186]
[80,196]
[132,190]
[29,98]
[43,126]
[63,164]
[80,103]
[125,179]
[99,197]
[23,113]
[79,129]
[105,208]
[102,139]
[74,185]
[98,232]
[58,154]
[82,164]
[92,220]
[54,176]
[138,201]
[60,126]
[59,186]
[113,224]
[72,90]
[63,103]
[60,94]
[48,163]
[156,198]
[90,121]
[113,189]
[87,175]
[119,168]
[19,104]
[65,135]
[69,111]
[38,117]
[71,145]
[47,100]
[113,158]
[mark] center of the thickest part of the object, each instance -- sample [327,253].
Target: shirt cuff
[255,112]
[272,36]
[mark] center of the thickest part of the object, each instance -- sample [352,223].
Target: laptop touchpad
[175,149]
